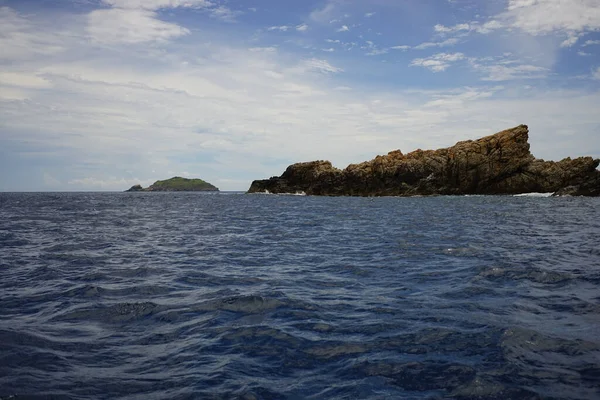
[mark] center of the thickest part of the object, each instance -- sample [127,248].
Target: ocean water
[234,296]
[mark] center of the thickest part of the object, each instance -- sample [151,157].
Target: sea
[250,296]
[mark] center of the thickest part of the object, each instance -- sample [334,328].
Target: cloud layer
[130,91]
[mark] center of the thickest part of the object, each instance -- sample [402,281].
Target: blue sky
[104,94]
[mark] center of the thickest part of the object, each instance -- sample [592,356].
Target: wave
[534,194]
[297,193]
[219,297]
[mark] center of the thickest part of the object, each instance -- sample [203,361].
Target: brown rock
[495,164]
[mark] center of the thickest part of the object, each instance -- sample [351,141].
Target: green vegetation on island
[177,184]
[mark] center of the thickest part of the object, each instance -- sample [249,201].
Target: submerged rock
[176,184]
[495,164]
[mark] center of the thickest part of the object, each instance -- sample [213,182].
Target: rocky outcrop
[590,187]
[136,188]
[176,184]
[496,164]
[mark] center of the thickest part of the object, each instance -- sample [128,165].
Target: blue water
[233,296]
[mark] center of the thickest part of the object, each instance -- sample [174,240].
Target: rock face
[176,184]
[135,188]
[495,164]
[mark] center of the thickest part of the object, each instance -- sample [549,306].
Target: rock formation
[136,188]
[176,184]
[495,164]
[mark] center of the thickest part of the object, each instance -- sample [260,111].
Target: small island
[176,184]
[495,164]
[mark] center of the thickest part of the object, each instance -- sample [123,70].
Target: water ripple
[190,295]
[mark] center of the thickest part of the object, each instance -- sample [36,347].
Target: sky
[99,95]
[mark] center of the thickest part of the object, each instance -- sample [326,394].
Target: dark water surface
[187,295]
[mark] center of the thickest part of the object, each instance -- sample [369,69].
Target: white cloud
[460,99]
[570,40]
[596,74]
[451,29]
[402,47]
[344,28]
[377,52]
[503,69]
[438,62]
[131,26]
[591,42]
[445,43]
[465,28]
[370,14]
[535,29]
[11,93]
[488,27]
[119,114]
[108,115]
[329,50]
[282,28]
[323,15]
[224,14]
[539,17]
[23,80]
[373,49]
[20,39]
[274,75]
[302,28]
[514,4]
[158,4]
[95,183]
[425,45]
[322,66]
[270,49]
[137,21]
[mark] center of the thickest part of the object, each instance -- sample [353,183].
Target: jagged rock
[135,188]
[590,187]
[176,184]
[495,164]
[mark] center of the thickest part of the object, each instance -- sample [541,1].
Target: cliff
[176,184]
[495,164]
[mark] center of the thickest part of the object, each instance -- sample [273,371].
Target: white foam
[534,194]
[263,192]
[298,193]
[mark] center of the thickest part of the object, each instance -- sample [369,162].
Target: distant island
[495,164]
[176,184]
